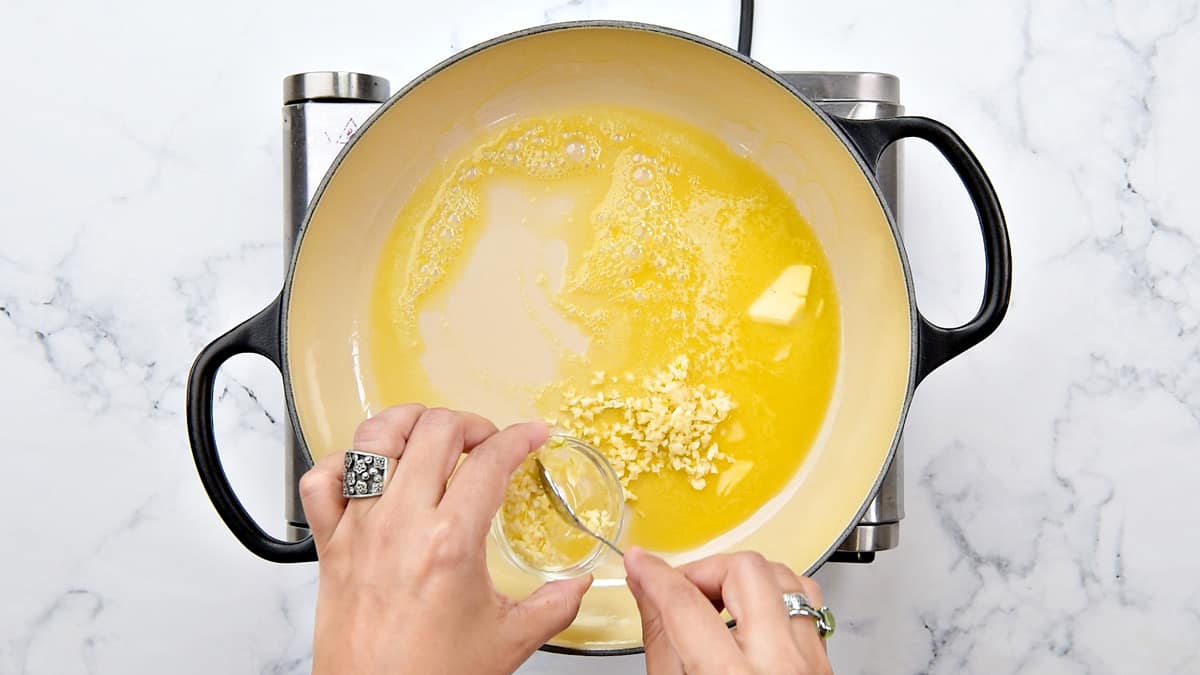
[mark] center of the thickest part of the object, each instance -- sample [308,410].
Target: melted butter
[611,240]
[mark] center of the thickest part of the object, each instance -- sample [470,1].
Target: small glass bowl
[592,478]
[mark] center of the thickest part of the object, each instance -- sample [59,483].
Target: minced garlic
[665,423]
[536,532]
[533,528]
[597,520]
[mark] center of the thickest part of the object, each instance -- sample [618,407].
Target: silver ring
[797,604]
[365,474]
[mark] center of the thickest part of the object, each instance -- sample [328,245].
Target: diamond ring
[797,604]
[365,474]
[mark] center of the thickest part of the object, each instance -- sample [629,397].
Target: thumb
[661,658]
[686,620]
[549,610]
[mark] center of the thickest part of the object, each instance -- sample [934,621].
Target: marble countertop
[1052,525]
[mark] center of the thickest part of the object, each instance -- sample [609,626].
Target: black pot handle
[937,345]
[257,335]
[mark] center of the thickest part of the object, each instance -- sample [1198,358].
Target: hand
[404,585]
[684,632]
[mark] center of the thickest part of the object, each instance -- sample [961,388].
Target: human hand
[683,631]
[404,585]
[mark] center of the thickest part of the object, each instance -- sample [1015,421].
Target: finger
[384,434]
[433,448]
[813,590]
[792,582]
[747,584]
[321,496]
[808,638]
[477,488]
[548,610]
[696,631]
[661,658]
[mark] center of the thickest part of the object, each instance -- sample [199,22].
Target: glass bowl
[589,483]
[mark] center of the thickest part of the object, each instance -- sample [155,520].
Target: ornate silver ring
[365,474]
[797,604]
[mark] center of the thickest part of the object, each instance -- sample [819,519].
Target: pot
[825,164]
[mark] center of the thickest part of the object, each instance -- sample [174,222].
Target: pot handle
[257,335]
[936,344]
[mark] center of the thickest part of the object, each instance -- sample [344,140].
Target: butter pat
[784,298]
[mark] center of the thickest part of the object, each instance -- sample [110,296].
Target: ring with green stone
[797,604]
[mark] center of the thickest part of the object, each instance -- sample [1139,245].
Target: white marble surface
[1052,525]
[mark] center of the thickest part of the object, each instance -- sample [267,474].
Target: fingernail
[631,578]
[641,557]
[631,558]
[633,567]
[634,586]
